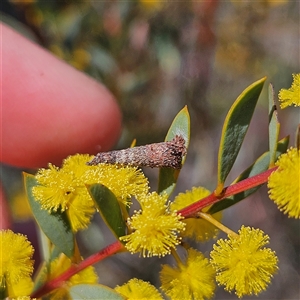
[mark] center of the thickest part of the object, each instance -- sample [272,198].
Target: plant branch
[233,189]
[74,269]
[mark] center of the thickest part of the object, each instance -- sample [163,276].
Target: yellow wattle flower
[136,289]
[154,229]
[123,181]
[284,183]
[291,96]
[56,188]
[16,264]
[242,263]
[192,280]
[65,189]
[196,228]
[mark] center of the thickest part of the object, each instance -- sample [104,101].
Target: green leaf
[235,127]
[180,126]
[55,225]
[109,208]
[274,126]
[93,291]
[259,166]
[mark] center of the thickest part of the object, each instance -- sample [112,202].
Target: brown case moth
[165,154]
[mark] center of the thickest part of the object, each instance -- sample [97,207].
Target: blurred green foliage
[157,56]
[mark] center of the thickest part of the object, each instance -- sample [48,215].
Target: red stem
[74,269]
[236,188]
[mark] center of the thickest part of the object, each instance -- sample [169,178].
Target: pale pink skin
[49,110]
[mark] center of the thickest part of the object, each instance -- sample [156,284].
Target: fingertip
[50,110]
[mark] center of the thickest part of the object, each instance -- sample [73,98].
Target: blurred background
[156,57]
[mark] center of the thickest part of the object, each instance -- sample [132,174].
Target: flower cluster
[16,268]
[65,189]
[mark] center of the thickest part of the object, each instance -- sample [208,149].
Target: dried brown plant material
[165,154]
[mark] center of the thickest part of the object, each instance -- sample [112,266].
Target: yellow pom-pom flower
[189,281]
[59,266]
[16,264]
[284,183]
[65,189]
[198,229]
[136,289]
[292,95]
[123,181]
[243,263]
[155,228]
